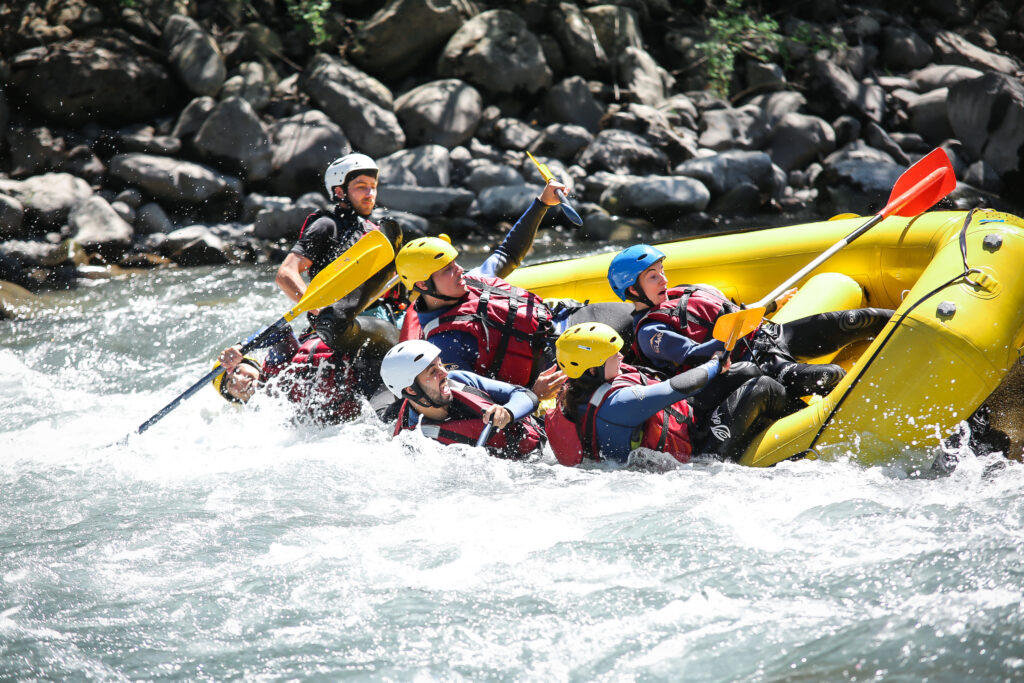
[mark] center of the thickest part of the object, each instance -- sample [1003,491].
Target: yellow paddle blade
[730,327]
[545,172]
[364,258]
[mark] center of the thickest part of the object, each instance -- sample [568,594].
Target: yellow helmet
[221,386]
[585,346]
[423,257]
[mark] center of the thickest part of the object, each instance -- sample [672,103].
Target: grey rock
[681,111]
[562,141]
[847,130]
[879,139]
[413,226]
[502,202]
[426,201]
[510,133]
[253,83]
[865,98]
[722,171]
[570,101]
[929,116]
[194,55]
[130,197]
[341,92]
[303,146]
[193,116]
[733,128]
[764,75]
[987,116]
[47,199]
[34,150]
[429,166]
[600,225]
[954,49]
[196,245]
[646,80]
[800,139]
[942,76]
[145,140]
[97,227]
[484,173]
[12,213]
[578,40]
[656,196]
[395,41]
[904,49]
[82,80]
[445,112]
[777,104]
[173,179]
[496,52]
[616,28]
[279,218]
[982,176]
[744,198]
[151,219]
[620,151]
[911,143]
[126,213]
[234,138]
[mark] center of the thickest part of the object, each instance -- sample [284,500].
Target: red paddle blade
[921,185]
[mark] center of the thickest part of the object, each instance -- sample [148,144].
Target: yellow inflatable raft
[956,280]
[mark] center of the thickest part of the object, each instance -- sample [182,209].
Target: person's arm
[289,276]
[457,348]
[518,401]
[507,256]
[660,342]
[633,408]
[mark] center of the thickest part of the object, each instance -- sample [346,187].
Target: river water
[232,544]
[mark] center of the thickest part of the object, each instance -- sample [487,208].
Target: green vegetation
[309,14]
[733,30]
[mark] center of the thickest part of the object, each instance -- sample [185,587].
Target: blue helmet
[627,265]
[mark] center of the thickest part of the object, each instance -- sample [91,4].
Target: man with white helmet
[455,407]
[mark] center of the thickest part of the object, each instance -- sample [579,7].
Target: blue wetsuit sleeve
[457,348]
[660,342]
[516,399]
[507,256]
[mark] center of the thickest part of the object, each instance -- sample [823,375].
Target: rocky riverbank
[140,133]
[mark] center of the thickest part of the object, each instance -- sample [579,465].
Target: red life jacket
[667,431]
[511,326]
[320,380]
[691,310]
[516,441]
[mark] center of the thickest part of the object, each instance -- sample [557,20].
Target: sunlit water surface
[226,544]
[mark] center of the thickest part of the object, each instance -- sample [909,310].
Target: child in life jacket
[608,409]
[457,406]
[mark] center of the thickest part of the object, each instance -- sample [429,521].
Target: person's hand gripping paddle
[567,209]
[367,256]
[917,190]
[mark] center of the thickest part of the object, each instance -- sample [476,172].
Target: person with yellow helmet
[608,409]
[478,320]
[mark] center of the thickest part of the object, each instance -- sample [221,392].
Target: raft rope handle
[965,275]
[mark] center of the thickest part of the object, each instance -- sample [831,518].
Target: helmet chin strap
[641,297]
[431,290]
[420,398]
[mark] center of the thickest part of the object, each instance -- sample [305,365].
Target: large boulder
[97,227]
[656,196]
[444,112]
[929,116]
[576,36]
[903,48]
[937,76]
[849,94]
[357,103]
[426,166]
[645,79]
[12,214]
[733,128]
[620,151]
[303,146]
[496,52]
[953,48]
[616,28]
[426,201]
[194,55]
[502,202]
[987,115]
[173,179]
[196,245]
[800,139]
[47,199]
[723,171]
[570,101]
[82,80]
[233,138]
[394,41]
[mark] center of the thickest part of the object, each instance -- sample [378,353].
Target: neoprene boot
[803,379]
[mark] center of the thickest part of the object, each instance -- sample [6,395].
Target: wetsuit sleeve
[507,256]
[690,382]
[632,406]
[314,238]
[660,342]
[457,348]
[516,399]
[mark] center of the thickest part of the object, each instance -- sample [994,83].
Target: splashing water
[227,543]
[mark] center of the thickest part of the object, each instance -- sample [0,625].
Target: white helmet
[347,167]
[404,361]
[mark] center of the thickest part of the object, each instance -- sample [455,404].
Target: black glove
[330,324]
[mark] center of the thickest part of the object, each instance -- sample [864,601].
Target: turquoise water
[232,544]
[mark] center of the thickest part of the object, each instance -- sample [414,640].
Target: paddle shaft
[484,435]
[893,207]
[567,209]
[253,343]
